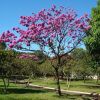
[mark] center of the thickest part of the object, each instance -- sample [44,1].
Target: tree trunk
[8,82]
[58,82]
[68,82]
[84,79]
[97,78]
[45,75]
[62,75]
[5,88]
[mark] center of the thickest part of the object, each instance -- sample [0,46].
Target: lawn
[88,86]
[29,94]
[19,92]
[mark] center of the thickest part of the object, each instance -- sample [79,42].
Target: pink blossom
[28,56]
[48,28]
[11,45]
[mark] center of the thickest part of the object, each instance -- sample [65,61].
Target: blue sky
[11,10]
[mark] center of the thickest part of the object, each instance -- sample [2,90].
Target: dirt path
[63,91]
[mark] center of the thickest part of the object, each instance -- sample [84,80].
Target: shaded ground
[28,94]
[17,92]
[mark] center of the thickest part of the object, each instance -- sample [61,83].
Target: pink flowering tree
[54,30]
[28,56]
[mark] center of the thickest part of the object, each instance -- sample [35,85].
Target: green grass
[28,94]
[89,86]
[19,92]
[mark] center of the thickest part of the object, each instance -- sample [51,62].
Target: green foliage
[98,3]
[42,57]
[2,46]
[6,59]
[81,64]
[92,41]
[46,68]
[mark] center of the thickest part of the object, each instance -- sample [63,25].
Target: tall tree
[6,59]
[54,30]
[92,40]
[83,63]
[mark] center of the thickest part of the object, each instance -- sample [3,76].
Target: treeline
[78,65]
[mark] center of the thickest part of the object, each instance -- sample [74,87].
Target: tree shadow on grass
[68,96]
[93,82]
[25,90]
[91,86]
[54,83]
[2,86]
[73,97]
